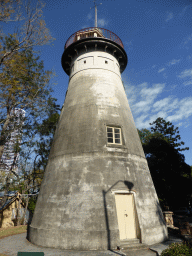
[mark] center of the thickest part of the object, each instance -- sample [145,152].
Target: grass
[4,232]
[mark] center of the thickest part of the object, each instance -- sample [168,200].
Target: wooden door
[126,216]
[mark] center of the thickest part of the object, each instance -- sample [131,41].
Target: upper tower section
[93,39]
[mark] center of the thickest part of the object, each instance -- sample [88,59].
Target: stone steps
[133,244]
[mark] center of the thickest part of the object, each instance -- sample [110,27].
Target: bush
[176,249]
[32,203]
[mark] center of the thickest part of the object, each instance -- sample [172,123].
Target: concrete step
[135,247]
[132,244]
[129,242]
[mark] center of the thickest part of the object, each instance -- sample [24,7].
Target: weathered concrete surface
[76,205]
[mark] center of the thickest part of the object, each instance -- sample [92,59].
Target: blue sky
[157,37]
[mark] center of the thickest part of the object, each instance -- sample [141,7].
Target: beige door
[126,215]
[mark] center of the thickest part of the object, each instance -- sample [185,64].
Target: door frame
[121,191]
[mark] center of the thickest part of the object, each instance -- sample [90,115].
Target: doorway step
[132,244]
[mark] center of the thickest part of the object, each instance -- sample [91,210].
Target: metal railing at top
[93,32]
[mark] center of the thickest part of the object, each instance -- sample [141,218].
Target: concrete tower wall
[76,206]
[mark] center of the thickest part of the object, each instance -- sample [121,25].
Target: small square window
[84,61]
[106,62]
[114,135]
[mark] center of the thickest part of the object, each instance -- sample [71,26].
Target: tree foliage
[30,28]
[169,132]
[46,132]
[9,10]
[31,172]
[170,173]
[24,84]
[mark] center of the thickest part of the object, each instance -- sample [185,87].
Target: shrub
[32,203]
[176,249]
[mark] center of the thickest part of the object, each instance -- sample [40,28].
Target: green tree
[170,173]
[23,82]
[23,85]
[46,132]
[169,132]
[16,54]
[144,135]
[32,173]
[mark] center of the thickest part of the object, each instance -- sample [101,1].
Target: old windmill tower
[97,190]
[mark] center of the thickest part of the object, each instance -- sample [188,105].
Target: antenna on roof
[95,12]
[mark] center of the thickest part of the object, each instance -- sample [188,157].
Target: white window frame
[113,133]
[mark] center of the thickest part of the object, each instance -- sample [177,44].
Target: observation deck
[93,38]
[93,32]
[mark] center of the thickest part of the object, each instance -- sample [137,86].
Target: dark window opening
[114,135]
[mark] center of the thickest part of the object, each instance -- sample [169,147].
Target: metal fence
[90,33]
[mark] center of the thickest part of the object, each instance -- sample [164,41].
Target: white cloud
[142,106]
[184,111]
[132,92]
[162,114]
[167,104]
[173,62]
[161,70]
[188,83]
[147,107]
[152,92]
[179,124]
[102,22]
[169,16]
[140,123]
[146,96]
[186,73]
[160,104]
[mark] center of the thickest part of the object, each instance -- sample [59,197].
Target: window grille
[114,135]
